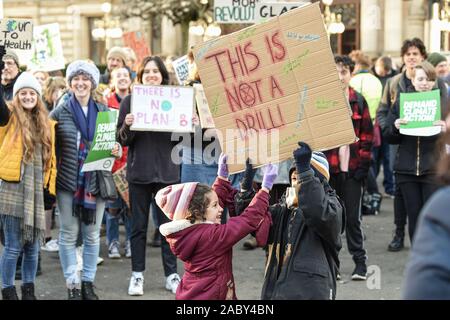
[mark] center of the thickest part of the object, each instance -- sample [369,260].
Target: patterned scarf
[25,200]
[84,203]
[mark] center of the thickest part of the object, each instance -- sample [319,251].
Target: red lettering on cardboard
[273,43]
[275,85]
[215,56]
[247,52]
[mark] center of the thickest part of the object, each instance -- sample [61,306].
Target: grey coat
[66,146]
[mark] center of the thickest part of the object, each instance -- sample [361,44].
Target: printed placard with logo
[421,110]
[162,108]
[99,156]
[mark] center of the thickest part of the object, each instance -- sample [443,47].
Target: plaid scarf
[84,203]
[24,201]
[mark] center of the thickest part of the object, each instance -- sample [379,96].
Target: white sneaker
[128,249]
[136,287]
[51,246]
[100,260]
[172,282]
[113,250]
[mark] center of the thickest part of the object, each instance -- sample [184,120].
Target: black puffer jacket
[66,146]
[304,243]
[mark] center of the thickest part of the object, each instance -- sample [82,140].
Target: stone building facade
[382,25]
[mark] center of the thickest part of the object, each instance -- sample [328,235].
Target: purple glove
[270,174]
[222,171]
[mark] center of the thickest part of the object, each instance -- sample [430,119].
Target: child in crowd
[304,237]
[196,236]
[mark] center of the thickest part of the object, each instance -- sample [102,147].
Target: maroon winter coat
[206,248]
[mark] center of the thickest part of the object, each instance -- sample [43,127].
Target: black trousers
[141,196]
[415,194]
[350,192]
[399,210]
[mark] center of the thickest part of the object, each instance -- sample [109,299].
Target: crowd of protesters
[47,125]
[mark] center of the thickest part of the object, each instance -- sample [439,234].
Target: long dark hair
[161,67]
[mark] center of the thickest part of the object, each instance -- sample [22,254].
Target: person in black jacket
[413,52]
[149,169]
[414,165]
[304,239]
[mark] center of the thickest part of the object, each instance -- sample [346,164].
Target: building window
[97,47]
[344,43]
[156,34]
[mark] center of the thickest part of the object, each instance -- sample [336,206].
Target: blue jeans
[201,173]
[68,233]
[112,223]
[12,250]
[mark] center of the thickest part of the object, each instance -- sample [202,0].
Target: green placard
[99,157]
[420,109]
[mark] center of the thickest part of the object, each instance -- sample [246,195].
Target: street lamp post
[333,21]
[107,28]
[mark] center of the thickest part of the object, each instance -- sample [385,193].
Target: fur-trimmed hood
[185,237]
[177,225]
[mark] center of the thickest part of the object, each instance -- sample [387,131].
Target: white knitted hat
[27,80]
[83,67]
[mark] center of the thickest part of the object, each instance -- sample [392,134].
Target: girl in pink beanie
[197,238]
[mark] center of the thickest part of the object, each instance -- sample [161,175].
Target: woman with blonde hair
[28,166]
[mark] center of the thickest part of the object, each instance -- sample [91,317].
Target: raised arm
[319,205]
[4,111]
[253,217]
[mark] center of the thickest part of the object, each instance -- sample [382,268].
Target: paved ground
[113,276]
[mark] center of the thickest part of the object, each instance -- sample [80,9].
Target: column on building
[170,38]
[433,30]
[414,25]
[393,31]
[370,27]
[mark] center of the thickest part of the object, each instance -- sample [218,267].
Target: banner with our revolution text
[420,109]
[99,157]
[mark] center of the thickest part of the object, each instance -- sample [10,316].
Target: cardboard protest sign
[162,108]
[275,81]
[99,156]
[47,49]
[181,67]
[120,180]
[136,41]
[206,118]
[267,10]
[16,33]
[420,109]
